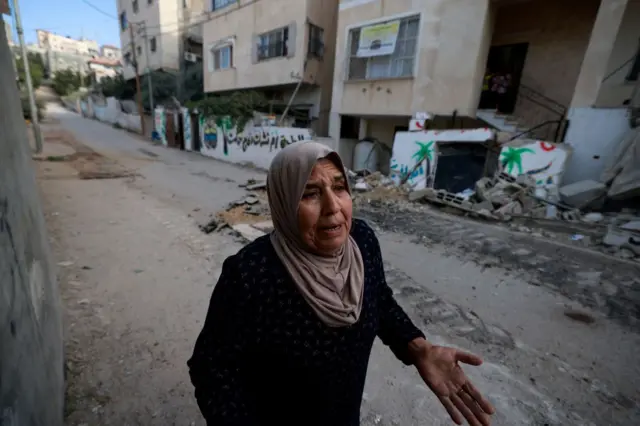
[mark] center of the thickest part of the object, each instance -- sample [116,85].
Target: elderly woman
[293,317]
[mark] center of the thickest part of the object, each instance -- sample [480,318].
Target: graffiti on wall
[160,121]
[254,144]
[188,138]
[416,153]
[544,161]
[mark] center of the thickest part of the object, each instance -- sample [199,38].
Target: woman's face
[324,212]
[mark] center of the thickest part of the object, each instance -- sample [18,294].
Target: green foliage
[193,82]
[164,87]
[26,108]
[116,87]
[36,69]
[235,109]
[66,82]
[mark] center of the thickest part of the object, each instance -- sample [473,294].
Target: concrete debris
[253,185]
[593,217]
[616,237]
[247,231]
[583,194]
[634,225]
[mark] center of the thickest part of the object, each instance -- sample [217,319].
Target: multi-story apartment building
[564,61]
[110,52]
[276,47]
[162,32]
[64,44]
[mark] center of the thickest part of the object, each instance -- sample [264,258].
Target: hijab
[332,285]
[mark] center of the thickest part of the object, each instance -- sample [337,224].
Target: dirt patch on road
[60,146]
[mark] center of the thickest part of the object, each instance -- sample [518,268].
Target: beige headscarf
[333,286]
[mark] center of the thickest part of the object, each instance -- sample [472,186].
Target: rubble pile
[500,198]
[250,210]
[376,186]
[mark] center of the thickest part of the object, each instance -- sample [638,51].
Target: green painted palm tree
[425,150]
[512,158]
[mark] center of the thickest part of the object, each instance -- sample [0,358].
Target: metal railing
[543,117]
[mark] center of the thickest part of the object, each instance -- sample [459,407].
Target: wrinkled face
[324,212]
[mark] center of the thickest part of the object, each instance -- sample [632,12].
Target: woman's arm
[217,366]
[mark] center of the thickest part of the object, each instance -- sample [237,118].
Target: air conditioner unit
[191,57]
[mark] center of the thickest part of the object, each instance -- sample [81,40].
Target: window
[139,50]
[127,58]
[222,57]
[149,1]
[123,21]
[316,41]
[398,64]
[135,7]
[152,44]
[273,44]
[634,73]
[219,4]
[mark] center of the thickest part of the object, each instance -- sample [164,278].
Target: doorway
[502,78]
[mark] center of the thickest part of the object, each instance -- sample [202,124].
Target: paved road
[542,367]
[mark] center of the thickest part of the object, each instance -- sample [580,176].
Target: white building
[161,30]
[64,44]
[110,52]
[8,31]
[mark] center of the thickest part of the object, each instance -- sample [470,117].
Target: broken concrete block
[422,193]
[616,237]
[634,225]
[247,232]
[483,205]
[526,181]
[259,185]
[513,208]
[482,187]
[581,194]
[362,187]
[266,226]
[592,217]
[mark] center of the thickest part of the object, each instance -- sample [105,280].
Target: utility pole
[32,98]
[135,66]
[148,68]
[181,41]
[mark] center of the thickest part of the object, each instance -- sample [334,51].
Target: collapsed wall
[31,346]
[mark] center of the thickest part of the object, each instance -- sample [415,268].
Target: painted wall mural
[160,120]
[188,137]
[257,145]
[416,153]
[544,161]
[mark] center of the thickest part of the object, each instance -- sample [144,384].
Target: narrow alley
[137,273]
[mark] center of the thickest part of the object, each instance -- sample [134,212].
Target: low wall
[112,113]
[255,145]
[594,134]
[31,345]
[409,148]
[543,161]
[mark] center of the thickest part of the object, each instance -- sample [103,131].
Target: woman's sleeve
[217,367]
[395,329]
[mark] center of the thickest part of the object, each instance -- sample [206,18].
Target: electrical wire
[96,8]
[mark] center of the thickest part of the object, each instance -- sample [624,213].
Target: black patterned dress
[263,357]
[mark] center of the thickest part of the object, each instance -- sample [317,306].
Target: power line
[96,8]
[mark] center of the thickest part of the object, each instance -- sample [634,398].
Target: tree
[234,110]
[36,69]
[164,87]
[66,82]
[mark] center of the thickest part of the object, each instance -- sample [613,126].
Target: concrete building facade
[161,29]
[58,43]
[557,55]
[31,354]
[277,47]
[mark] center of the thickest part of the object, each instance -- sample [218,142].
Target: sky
[74,18]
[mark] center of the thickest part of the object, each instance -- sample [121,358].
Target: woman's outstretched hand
[440,369]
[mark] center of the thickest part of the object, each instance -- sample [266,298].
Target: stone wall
[31,345]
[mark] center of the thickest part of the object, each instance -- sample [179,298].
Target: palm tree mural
[512,158]
[425,150]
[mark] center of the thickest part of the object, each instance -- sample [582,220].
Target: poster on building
[378,40]
[4,7]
